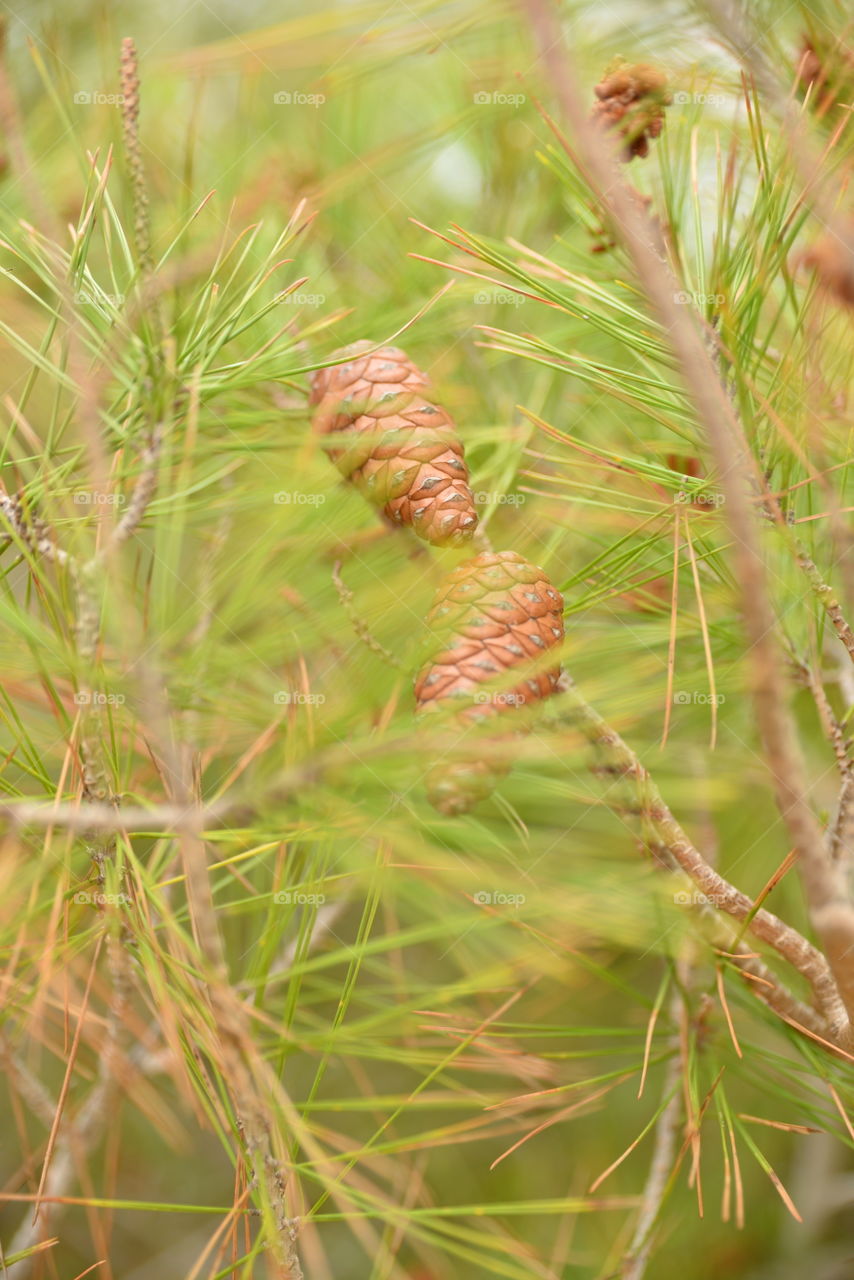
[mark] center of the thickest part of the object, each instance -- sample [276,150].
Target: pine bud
[631,100]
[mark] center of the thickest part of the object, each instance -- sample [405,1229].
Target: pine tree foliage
[266,1011]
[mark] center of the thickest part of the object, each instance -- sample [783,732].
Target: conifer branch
[830,905]
[639,1252]
[827,599]
[674,850]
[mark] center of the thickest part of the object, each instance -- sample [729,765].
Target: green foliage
[420,993]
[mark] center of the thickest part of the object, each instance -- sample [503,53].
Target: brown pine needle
[707,647]
[253,751]
[840,1108]
[823,515]
[544,1093]
[650,1028]
[629,1149]
[552,1120]
[779,1124]
[726,1191]
[694,1136]
[783,869]
[834,1048]
[783,1194]
[768,1169]
[66,1083]
[739,1186]
[674,618]
[479,275]
[725,1007]
[229,1224]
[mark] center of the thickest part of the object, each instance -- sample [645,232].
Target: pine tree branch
[826,598]
[639,1252]
[830,907]
[833,730]
[77,1135]
[674,849]
[143,492]
[840,831]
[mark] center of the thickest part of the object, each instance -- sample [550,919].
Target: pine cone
[827,68]
[400,447]
[494,613]
[632,100]
[830,259]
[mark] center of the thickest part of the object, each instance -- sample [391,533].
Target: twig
[638,1254]
[79,1133]
[824,594]
[28,1085]
[168,817]
[361,628]
[142,494]
[232,1029]
[240,1065]
[840,831]
[673,846]
[34,534]
[481,541]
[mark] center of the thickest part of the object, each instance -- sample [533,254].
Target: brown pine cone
[827,68]
[400,448]
[494,613]
[631,99]
[830,259]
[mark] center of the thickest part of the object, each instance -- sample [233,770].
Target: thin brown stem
[825,595]
[673,849]
[639,1252]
